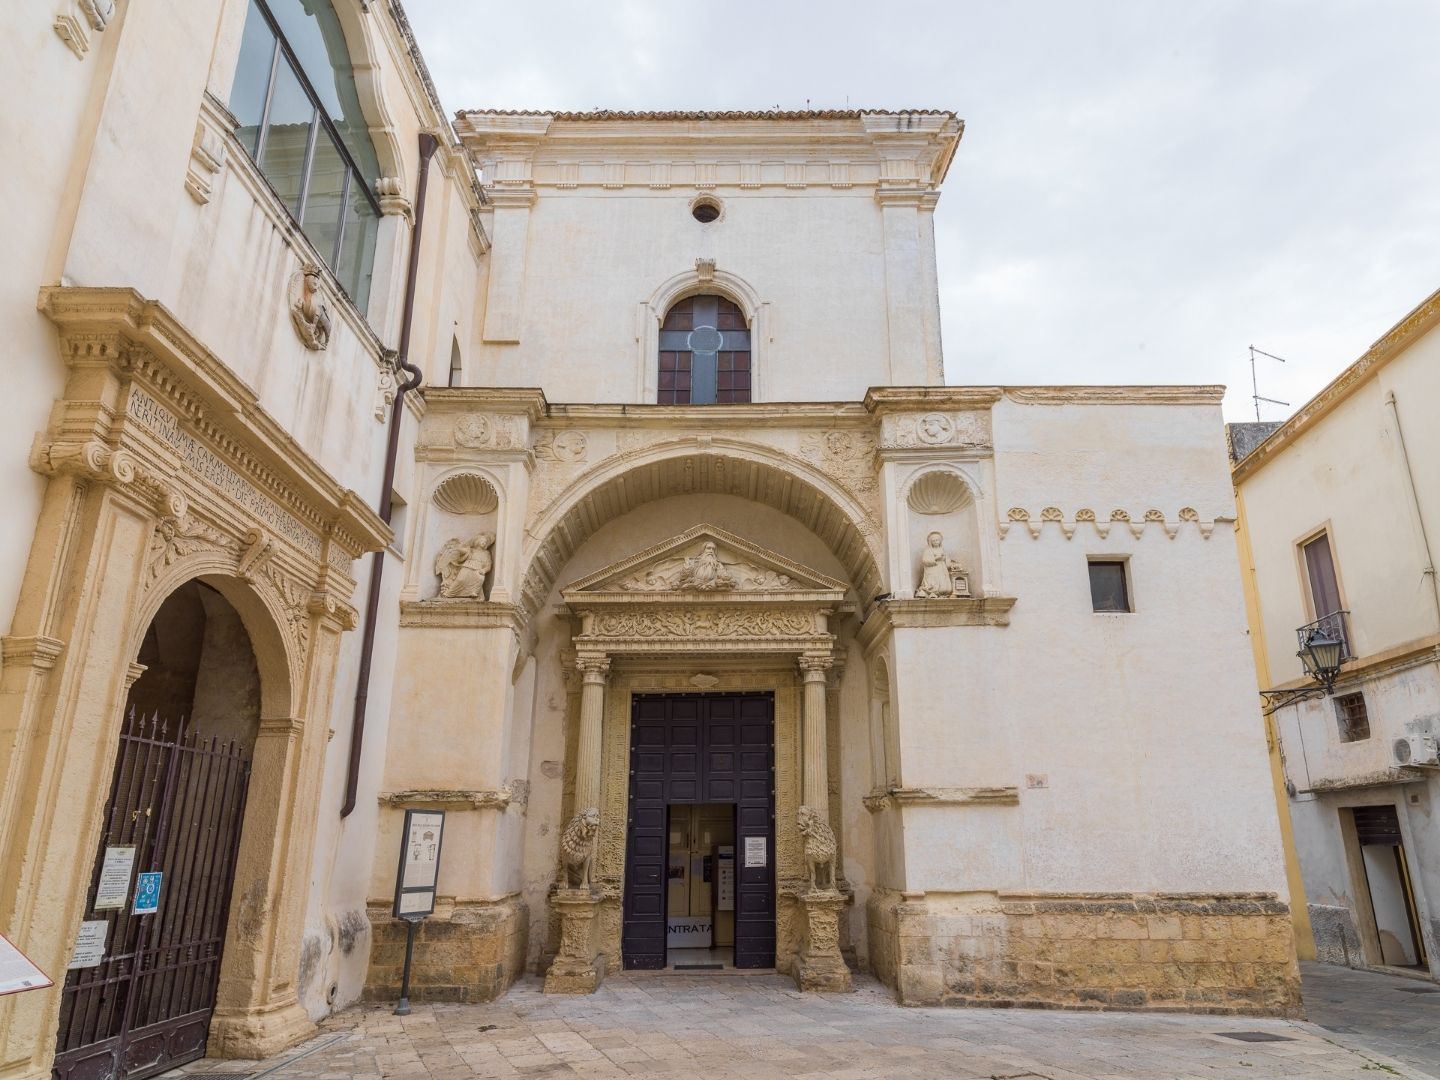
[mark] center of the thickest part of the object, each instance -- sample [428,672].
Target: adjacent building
[1339,515]
[575,503]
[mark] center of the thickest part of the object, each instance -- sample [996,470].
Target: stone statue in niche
[462,565]
[308,311]
[577,847]
[819,848]
[940,575]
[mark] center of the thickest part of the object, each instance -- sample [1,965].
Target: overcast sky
[1145,187]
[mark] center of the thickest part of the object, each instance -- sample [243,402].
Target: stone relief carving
[1187,515]
[819,849]
[462,567]
[562,446]
[940,575]
[478,432]
[970,429]
[848,456]
[702,623]
[706,571]
[309,312]
[466,493]
[175,538]
[577,847]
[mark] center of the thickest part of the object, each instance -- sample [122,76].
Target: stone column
[818,964]
[596,672]
[814,669]
[576,969]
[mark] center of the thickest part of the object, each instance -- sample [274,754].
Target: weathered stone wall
[1218,954]
[472,952]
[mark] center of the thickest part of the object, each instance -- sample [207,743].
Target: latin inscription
[205,464]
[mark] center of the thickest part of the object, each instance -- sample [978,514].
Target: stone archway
[177,804]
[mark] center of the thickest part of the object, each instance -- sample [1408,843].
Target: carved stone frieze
[701,622]
[907,431]
[709,570]
[1034,525]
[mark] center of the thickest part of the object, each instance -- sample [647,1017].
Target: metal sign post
[415,881]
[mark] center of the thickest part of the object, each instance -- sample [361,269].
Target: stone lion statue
[819,848]
[577,847]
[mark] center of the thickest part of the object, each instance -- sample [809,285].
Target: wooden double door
[690,749]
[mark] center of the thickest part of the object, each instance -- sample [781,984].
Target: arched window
[704,353]
[300,119]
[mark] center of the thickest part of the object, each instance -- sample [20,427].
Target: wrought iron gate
[700,748]
[178,799]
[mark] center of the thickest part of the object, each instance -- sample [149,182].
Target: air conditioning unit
[1411,750]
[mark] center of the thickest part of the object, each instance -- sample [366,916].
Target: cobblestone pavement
[1389,1014]
[759,1027]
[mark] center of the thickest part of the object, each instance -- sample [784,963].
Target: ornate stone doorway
[177,802]
[692,750]
[703,599]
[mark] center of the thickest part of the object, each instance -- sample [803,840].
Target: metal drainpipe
[428,145]
[1429,570]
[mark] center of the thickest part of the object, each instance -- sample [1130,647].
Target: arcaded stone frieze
[1102,523]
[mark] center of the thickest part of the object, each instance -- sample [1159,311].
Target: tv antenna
[1254,387]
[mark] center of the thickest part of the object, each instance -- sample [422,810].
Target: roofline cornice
[1420,320]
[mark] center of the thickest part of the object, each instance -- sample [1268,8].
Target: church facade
[595,480]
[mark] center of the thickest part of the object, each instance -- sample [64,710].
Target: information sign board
[419,870]
[115,870]
[755,852]
[17,973]
[90,944]
[147,892]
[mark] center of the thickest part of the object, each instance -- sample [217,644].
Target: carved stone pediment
[705,562]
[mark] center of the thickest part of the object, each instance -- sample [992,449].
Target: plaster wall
[50,136]
[1124,732]
[1346,471]
[816,260]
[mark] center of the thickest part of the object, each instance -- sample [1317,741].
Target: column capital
[815,668]
[594,669]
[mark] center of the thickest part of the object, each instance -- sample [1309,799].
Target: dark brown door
[701,748]
[178,800]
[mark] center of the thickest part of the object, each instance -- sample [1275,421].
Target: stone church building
[596,480]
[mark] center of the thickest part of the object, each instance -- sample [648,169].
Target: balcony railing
[1336,626]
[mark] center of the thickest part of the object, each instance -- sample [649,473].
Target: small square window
[1352,718]
[1108,588]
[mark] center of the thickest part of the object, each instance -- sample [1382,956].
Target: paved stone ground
[761,1028]
[1389,1014]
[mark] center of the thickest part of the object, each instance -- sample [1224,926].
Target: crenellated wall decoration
[1035,525]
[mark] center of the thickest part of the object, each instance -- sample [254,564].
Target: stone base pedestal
[819,965]
[258,1033]
[576,969]
[469,951]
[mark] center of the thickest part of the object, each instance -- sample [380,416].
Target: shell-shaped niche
[938,493]
[466,493]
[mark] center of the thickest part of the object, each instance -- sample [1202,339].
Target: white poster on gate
[113,891]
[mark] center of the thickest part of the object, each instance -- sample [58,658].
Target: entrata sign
[689,933]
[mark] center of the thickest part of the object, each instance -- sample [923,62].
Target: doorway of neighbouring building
[141,987]
[700,836]
[1387,879]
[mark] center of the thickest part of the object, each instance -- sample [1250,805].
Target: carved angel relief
[462,566]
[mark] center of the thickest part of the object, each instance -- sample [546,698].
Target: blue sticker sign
[147,892]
